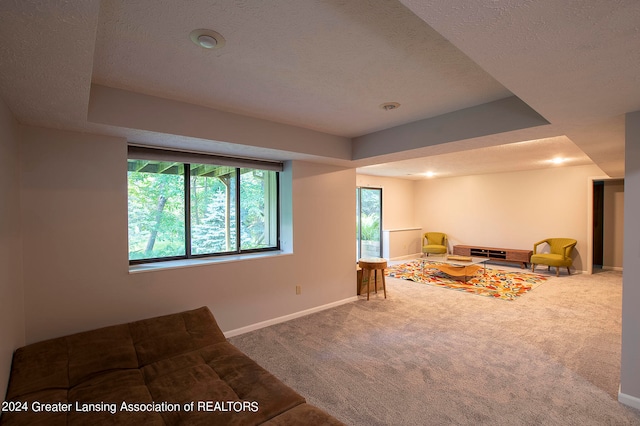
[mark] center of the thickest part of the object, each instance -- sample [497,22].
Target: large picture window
[187,209]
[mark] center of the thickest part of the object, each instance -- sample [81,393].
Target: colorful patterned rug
[495,283]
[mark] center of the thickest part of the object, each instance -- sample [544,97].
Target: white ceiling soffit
[501,116]
[127,109]
[528,155]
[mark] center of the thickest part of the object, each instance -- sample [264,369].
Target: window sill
[189,263]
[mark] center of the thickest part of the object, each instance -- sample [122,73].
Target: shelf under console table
[493,253]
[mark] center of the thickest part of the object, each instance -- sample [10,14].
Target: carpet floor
[431,356]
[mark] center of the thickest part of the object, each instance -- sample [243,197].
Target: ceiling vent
[207,39]
[388,106]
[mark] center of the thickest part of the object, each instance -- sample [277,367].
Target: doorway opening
[368,222]
[598,225]
[607,225]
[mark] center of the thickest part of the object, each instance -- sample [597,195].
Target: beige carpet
[433,356]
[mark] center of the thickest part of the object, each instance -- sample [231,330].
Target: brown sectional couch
[149,372]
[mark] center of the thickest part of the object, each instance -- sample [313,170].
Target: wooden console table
[498,254]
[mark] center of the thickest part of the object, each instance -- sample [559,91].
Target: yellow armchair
[434,243]
[559,254]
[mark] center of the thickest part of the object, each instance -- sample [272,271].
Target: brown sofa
[171,370]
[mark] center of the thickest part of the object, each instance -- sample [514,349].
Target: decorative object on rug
[494,283]
[456,257]
[457,271]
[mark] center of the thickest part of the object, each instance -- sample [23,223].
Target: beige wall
[613,221]
[12,334]
[511,210]
[517,207]
[75,237]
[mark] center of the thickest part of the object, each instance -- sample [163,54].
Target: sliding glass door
[368,222]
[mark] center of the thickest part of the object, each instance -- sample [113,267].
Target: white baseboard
[629,400]
[285,318]
[612,268]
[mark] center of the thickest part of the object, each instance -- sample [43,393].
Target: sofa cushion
[162,337]
[39,366]
[220,373]
[94,352]
[112,388]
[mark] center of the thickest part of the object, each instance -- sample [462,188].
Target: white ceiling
[328,65]
[325,65]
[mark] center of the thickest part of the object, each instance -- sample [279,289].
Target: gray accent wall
[504,115]
[630,371]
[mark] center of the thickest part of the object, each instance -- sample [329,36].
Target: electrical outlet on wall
[298,289]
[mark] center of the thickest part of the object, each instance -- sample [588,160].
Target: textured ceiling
[327,66]
[576,63]
[46,57]
[323,65]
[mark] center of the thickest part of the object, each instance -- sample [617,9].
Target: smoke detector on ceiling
[207,39]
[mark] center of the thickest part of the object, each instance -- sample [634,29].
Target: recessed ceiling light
[388,106]
[207,39]
[558,160]
[428,174]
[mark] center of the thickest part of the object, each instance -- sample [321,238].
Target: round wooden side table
[373,264]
